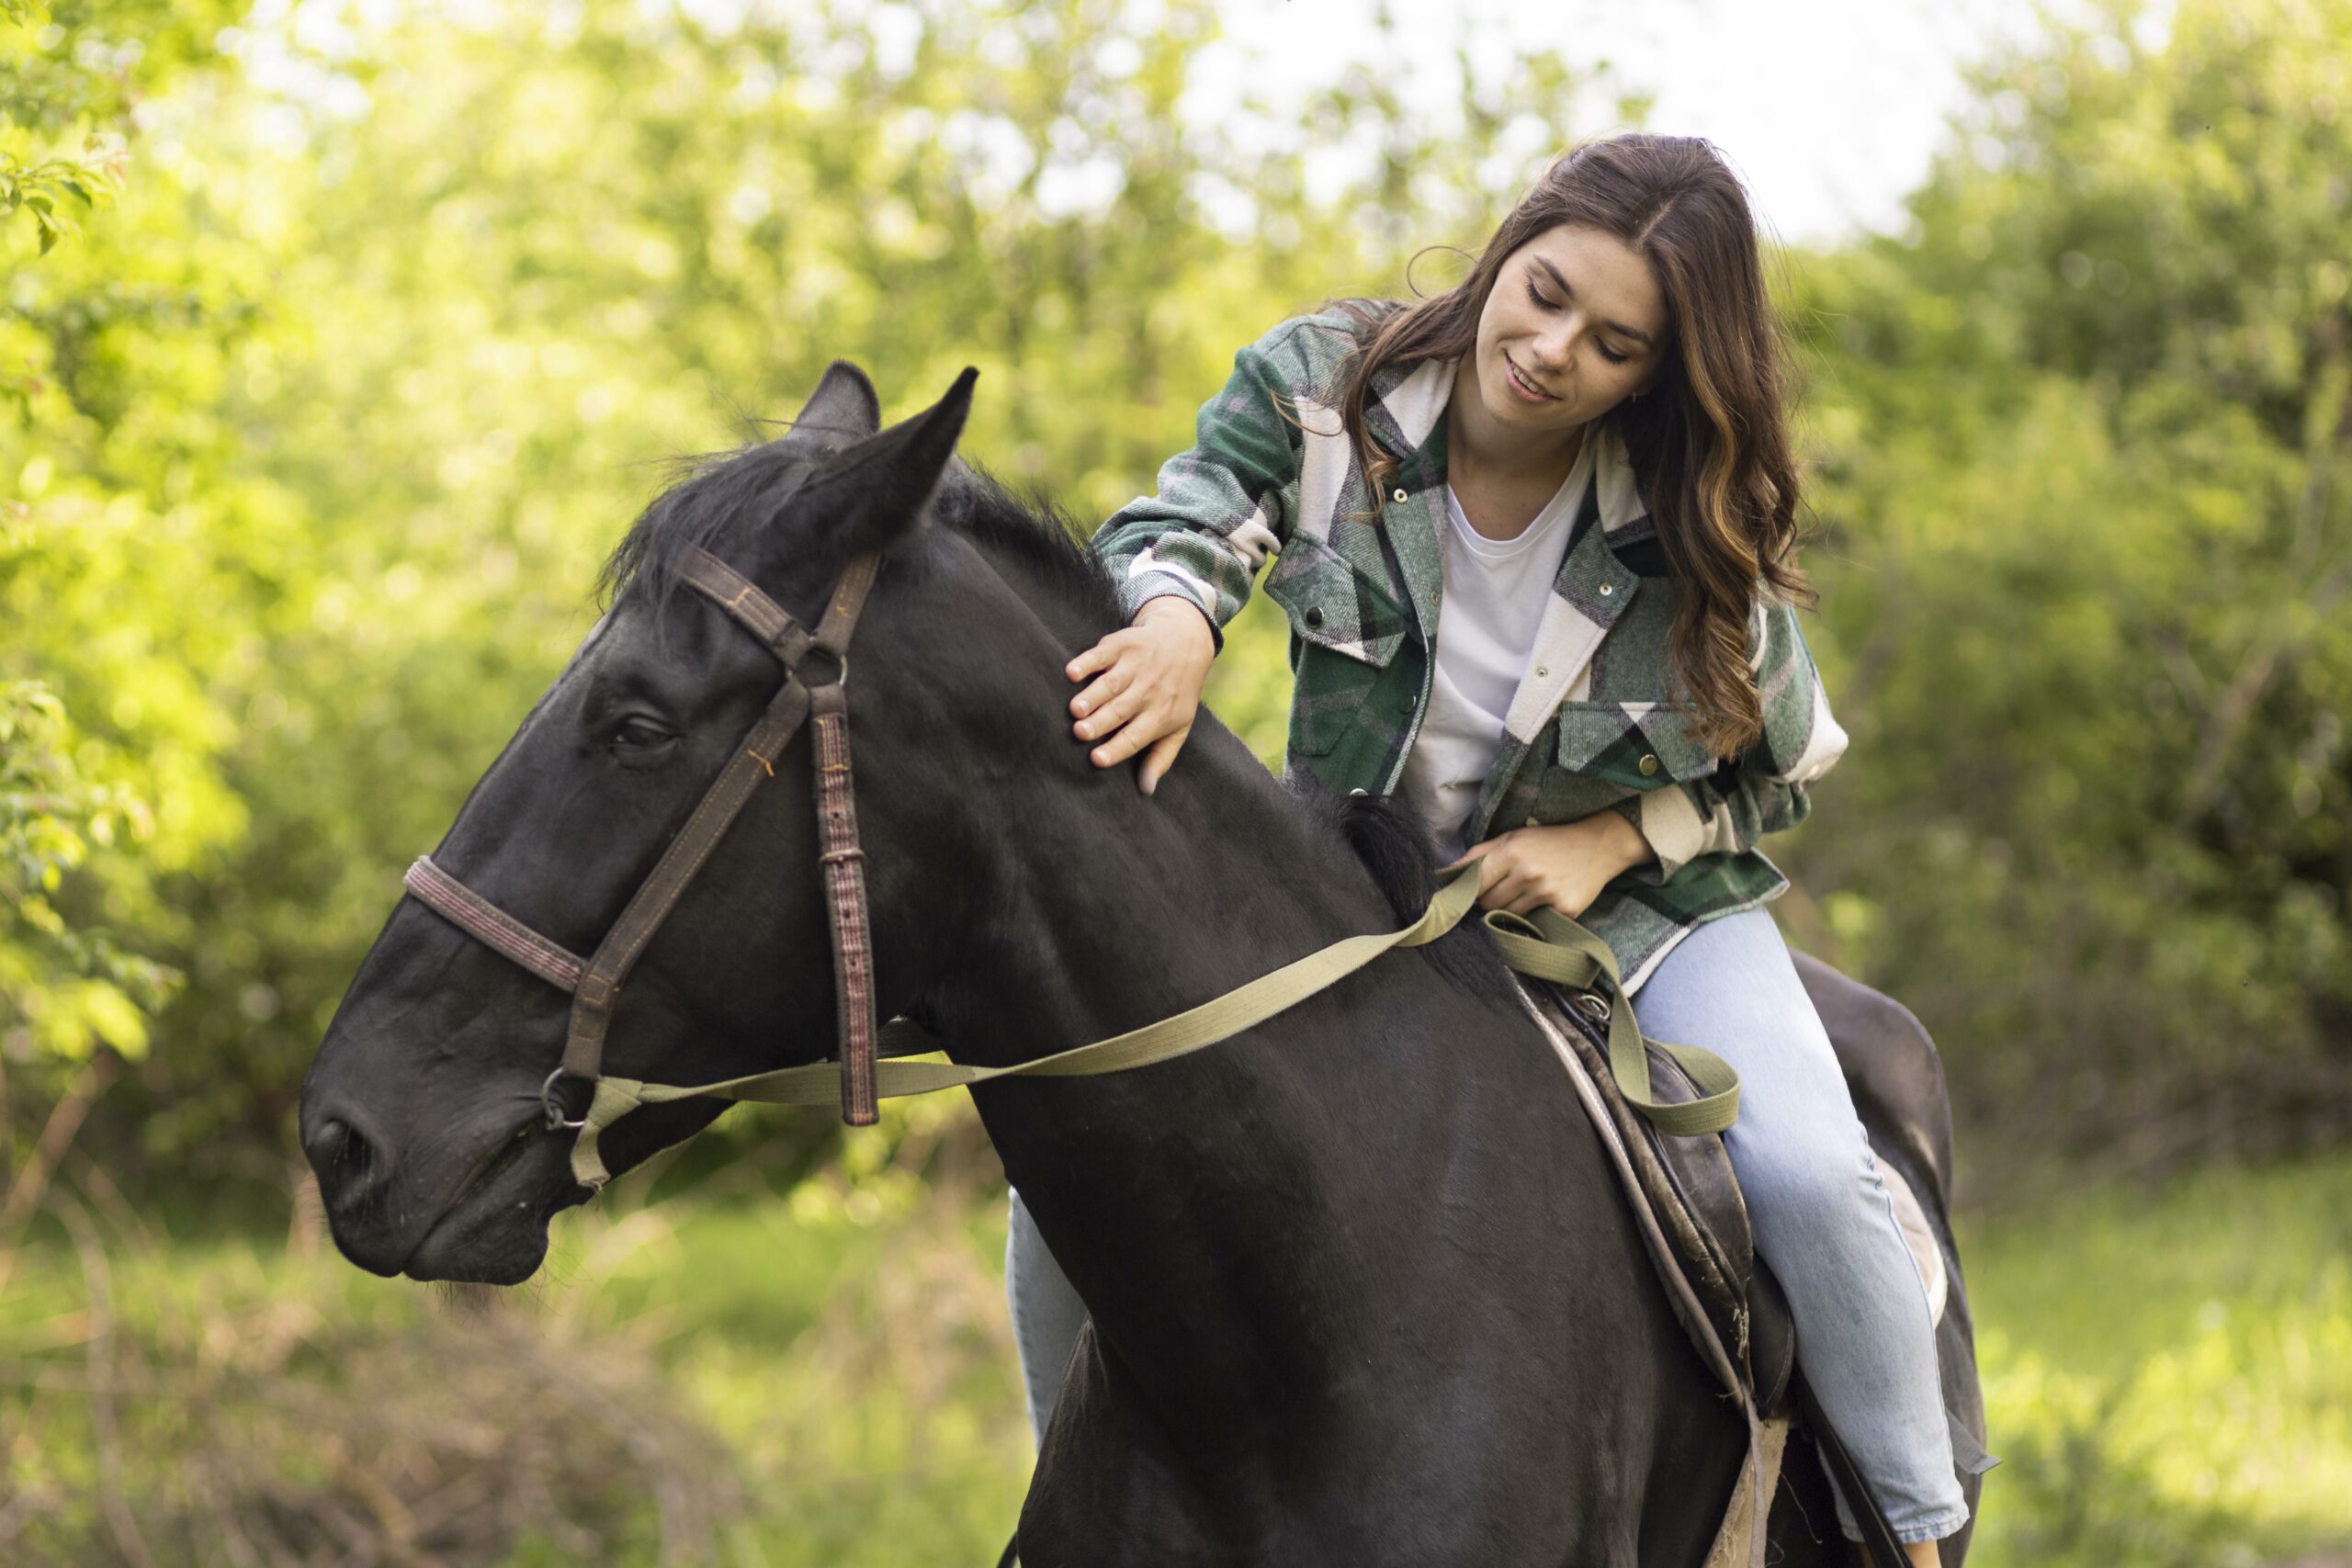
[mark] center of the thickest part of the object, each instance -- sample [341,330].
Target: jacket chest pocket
[1332,604]
[1638,745]
[1345,630]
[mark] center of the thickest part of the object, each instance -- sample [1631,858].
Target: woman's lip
[1533,389]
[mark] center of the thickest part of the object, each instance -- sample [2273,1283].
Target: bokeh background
[341,342]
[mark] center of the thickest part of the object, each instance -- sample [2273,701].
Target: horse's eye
[639,735]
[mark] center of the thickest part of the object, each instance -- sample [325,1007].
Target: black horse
[1364,1288]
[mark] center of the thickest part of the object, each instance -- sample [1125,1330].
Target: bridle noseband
[816,672]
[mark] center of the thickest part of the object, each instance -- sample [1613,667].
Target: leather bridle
[1549,946]
[815,673]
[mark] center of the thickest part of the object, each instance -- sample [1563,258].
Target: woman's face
[1575,323]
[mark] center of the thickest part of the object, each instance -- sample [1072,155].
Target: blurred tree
[463,360]
[2082,436]
[322,433]
[105,776]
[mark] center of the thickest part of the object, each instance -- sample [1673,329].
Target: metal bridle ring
[555,1121]
[840,663]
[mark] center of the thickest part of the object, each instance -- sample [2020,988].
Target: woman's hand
[1564,866]
[1147,687]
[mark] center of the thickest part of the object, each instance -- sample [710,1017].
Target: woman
[1579,455]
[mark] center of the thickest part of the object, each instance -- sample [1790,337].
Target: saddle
[1689,1199]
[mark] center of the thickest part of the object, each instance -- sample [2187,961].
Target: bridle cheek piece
[822,703]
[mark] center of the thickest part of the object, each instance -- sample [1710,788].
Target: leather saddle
[1688,1182]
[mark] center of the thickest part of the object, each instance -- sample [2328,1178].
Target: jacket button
[1314,614]
[1408,702]
[1397,495]
[1648,765]
[1607,589]
[1531,822]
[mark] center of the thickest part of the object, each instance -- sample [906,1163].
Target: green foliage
[73,988]
[82,839]
[346,410]
[2081,440]
[39,96]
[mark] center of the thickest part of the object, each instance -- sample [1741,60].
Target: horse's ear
[876,490]
[842,409]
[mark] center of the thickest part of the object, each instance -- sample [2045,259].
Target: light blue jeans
[1821,1215]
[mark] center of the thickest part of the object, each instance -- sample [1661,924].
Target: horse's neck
[1182,1197]
[1127,909]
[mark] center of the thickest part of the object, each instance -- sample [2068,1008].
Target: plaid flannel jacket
[1593,725]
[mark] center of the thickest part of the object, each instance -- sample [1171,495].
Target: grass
[2168,1375]
[828,1378]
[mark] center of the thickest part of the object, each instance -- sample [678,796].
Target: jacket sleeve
[1763,789]
[1221,505]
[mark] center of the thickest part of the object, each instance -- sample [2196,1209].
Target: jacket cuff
[1147,585]
[1669,823]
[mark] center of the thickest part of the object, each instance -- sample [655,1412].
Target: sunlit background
[341,343]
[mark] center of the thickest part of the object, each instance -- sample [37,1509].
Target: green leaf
[114,1019]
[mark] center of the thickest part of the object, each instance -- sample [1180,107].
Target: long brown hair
[1708,440]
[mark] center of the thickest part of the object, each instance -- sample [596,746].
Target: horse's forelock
[709,498]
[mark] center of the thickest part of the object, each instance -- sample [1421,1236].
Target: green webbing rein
[1549,947]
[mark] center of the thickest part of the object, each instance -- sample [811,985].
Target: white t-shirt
[1496,591]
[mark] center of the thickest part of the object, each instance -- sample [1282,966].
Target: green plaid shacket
[1591,727]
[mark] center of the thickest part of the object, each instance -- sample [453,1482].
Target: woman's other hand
[1146,688]
[1565,866]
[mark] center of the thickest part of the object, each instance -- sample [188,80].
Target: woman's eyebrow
[1562,285]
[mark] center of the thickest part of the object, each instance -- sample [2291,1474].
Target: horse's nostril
[343,1159]
[326,1142]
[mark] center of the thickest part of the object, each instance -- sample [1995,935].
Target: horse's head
[424,1114]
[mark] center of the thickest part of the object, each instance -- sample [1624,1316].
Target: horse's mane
[712,494]
[1396,846]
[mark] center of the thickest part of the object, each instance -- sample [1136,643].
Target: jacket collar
[1406,412]
[1405,402]
[1406,409]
